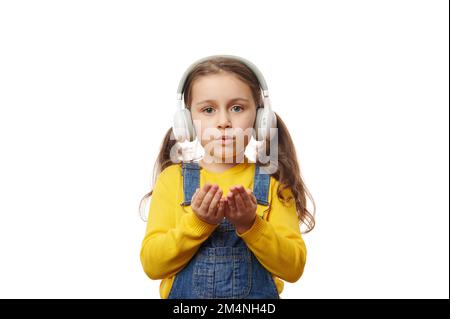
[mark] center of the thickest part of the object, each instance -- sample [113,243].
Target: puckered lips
[225,139]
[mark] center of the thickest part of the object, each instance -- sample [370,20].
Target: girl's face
[222,105]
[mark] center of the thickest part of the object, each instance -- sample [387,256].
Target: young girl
[220,227]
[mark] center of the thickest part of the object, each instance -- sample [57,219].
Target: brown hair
[288,172]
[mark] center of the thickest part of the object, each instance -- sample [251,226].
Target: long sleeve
[168,245]
[277,241]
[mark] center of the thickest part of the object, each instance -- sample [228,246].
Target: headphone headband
[250,65]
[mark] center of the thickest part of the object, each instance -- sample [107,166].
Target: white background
[87,91]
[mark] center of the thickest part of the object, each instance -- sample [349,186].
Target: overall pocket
[222,272]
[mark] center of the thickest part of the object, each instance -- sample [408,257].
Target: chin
[228,155]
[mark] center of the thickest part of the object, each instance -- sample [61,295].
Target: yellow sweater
[174,233]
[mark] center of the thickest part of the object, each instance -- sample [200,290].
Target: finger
[208,197]
[231,203]
[245,198]
[194,198]
[193,195]
[252,197]
[234,189]
[214,202]
[234,192]
[201,194]
[221,209]
[240,205]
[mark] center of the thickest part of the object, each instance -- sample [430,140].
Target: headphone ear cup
[183,127]
[265,120]
[190,126]
[257,126]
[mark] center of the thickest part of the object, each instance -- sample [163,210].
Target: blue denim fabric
[223,267]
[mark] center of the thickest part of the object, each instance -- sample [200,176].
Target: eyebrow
[232,100]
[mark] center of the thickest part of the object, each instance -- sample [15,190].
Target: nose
[224,120]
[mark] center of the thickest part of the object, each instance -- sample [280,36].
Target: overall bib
[223,267]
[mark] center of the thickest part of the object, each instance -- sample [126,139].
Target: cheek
[198,126]
[198,123]
[203,130]
[245,126]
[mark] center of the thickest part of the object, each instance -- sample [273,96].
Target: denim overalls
[223,267]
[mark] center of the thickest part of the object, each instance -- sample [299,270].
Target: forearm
[281,251]
[163,254]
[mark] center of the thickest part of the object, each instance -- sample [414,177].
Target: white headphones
[183,127]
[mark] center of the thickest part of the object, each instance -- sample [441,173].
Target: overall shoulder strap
[261,186]
[191,181]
